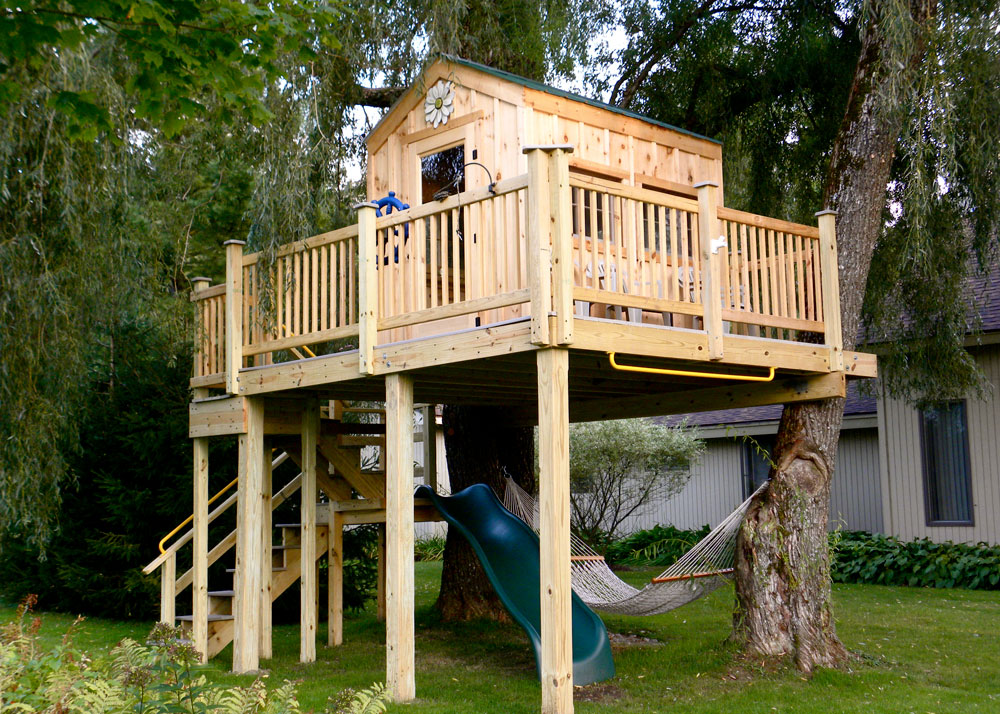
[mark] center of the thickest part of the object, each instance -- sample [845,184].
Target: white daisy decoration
[439,103]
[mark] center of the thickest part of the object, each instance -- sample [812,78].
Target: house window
[947,477]
[756,463]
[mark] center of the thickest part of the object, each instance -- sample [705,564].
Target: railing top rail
[645,195]
[457,200]
[774,224]
[345,233]
[214,291]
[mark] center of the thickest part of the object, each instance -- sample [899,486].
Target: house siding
[715,487]
[903,478]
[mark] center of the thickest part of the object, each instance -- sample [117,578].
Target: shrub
[430,548]
[618,468]
[660,545]
[162,675]
[860,557]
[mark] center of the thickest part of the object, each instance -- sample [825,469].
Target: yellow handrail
[190,518]
[686,373]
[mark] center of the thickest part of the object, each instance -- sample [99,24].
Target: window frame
[926,467]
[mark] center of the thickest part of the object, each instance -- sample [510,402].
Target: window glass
[444,172]
[947,477]
[756,462]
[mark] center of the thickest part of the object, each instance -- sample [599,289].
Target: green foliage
[429,548]
[161,676]
[617,468]
[659,545]
[860,557]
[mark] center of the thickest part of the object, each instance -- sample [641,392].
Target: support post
[554,532]
[308,586]
[399,533]
[198,284]
[267,568]
[246,585]
[367,287]
[335,581]
[561,206]
[168,590]
[199,583]
[234,314]
[429,413]
[830,281]
[711,278]
[539,246]
[380,573]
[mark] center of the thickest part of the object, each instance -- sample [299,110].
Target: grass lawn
[920,651]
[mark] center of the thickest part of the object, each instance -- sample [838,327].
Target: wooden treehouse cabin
[545,252]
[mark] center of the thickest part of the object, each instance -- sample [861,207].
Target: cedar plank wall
[514,116]
[902,467]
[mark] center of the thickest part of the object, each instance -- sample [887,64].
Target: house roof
[984,299]
[857,404]
[532,84]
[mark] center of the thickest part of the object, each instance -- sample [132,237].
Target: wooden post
[429,412]
[234,314]
[168,590]
[267,568]
[380,574]
[399,628]
[307,553]
[246,585]
[367,287]
[539,247]
[554,533]
[561,206]
[199,582]
[830,280]
[711,279]
[335,581]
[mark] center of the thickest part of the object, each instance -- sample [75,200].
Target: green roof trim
[532,84]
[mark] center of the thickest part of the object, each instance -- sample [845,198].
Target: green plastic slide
[508,550]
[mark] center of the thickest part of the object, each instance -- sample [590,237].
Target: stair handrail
[165,553]
[223,546]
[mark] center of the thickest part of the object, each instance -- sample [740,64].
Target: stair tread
[221,593]
[298,525]
[211,618]
[273,570]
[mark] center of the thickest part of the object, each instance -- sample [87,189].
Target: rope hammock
[707,566]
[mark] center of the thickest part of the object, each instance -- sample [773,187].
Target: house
[899,470]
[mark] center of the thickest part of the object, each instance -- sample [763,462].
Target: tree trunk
[782,557]
[481,449]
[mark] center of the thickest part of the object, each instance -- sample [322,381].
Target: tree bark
[481,449]
[782,556]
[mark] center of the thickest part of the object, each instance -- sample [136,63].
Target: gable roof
[555,91]
[530,84]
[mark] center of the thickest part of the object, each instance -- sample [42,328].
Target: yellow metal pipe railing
[689,373]
[190,518]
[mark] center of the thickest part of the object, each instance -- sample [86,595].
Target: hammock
[704,568]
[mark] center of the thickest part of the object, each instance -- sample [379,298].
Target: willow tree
[89,91]
[883,110]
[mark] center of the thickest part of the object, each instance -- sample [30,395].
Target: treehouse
[522,247]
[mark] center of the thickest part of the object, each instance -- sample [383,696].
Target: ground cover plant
[920,650]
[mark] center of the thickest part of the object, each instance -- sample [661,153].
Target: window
[756,463]
[947,478]
[442,172]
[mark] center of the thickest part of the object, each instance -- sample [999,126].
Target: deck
[459,293]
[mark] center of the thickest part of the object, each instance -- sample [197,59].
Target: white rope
[705,567]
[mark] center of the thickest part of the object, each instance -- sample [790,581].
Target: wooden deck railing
[541,244]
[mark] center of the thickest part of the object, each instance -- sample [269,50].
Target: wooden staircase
[286,567]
